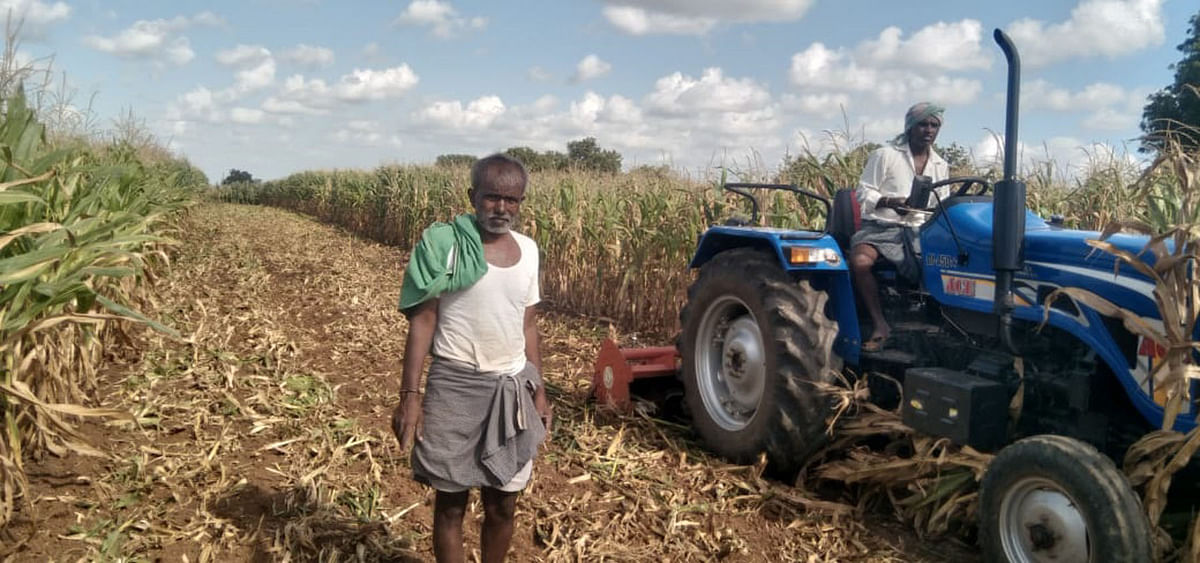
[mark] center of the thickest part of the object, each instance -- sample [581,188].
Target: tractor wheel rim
[1039,523]
[730,363]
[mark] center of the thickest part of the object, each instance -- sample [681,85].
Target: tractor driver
[889,228]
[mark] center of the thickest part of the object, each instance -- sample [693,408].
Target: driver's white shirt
[889,173]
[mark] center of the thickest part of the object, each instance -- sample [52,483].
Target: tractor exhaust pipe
[1008,210]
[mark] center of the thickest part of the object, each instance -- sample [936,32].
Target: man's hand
[407,420]
[545,411]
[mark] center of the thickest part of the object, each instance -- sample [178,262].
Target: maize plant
[75,239]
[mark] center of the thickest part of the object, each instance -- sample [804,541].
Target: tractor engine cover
[967,409]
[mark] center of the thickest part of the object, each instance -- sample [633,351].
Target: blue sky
[279,86]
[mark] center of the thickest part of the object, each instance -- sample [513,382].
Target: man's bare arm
[533,353]
[421,325]
[407,418]
[533,343]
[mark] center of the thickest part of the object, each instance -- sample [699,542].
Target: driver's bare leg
[862,258]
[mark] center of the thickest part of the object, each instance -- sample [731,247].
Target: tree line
[583,154]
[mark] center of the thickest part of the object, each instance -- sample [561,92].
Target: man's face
[925,132]
[498,206]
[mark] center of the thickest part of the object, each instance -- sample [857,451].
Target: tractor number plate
[955,285]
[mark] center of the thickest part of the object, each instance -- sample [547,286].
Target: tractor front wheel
[755,343]
[1055,499]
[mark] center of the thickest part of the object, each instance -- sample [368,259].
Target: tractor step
[891,357]
[911,326]
[617,368]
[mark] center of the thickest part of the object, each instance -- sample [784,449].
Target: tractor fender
[771,241]
[831,278]
[719,239]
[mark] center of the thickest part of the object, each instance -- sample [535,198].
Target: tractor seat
[845,219]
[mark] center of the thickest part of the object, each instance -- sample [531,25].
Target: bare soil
[263,435]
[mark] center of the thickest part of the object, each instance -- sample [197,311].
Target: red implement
[617,368]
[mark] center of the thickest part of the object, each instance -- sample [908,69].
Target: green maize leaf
[26,273]
[111,271]
[132,314]
[9,198]
[41,255]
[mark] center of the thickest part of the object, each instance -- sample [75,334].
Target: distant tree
[1176,108]
[538,162]
[236,176]
[554,160]
[529,157]
[586,154]
[651,170]
[455,160]
[958,157]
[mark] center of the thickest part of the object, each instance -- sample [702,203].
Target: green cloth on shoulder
[449,257]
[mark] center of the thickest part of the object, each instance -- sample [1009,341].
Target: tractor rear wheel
[755,343]
[1056,499]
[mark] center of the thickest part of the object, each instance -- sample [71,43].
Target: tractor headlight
[804,255]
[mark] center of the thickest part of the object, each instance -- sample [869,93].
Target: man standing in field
[889,228]
[470,291]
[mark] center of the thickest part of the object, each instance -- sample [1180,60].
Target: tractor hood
[1044,244]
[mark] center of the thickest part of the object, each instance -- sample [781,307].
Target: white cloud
[821,67]
[247,116]
[1040,94]
[1096,27]
[944,46]
[290,107]
[1110,107]
[359,132]
[369,84]
[371,50]
[199,104]
[256,68]
[362,125]
[243,54]
[356,137]
[440,17]
[636,21]
[1110,119]
[300,95]
[256,77]
[36,12]
[156,40]
[880,129]
[539,74]
[478,114]
[816,104]
[594,108]
[296,87]
[696,17]
[893,70]
[308,55]
[590,67]
[209,19]
[677,94]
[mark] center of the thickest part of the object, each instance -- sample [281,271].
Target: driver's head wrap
[916,114]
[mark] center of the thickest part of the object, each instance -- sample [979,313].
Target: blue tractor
[772,316]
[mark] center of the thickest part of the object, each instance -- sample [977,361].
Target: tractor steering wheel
[967,183]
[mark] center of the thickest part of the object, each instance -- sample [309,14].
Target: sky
[275,87]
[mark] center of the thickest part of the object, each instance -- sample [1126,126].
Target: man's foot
[876,342]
